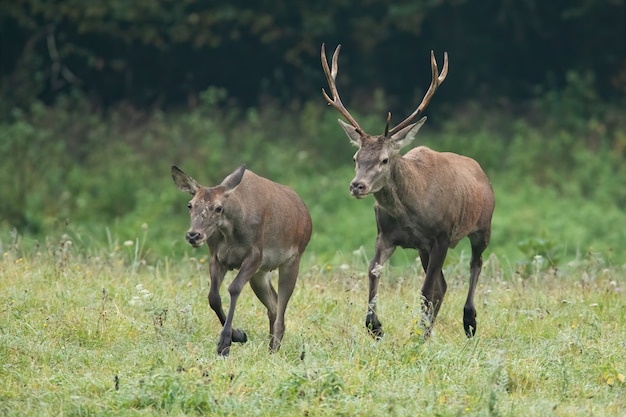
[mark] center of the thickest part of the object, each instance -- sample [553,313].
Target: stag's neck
[404,182]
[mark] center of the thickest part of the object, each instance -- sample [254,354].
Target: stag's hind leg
[434,287]
[479,244]
[439,287]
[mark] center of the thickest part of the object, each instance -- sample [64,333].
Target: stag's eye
[385,161]
[218,209]
[189,206]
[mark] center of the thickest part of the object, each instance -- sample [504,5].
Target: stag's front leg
[384,250]
[248,268]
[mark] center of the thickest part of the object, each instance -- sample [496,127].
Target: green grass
[101,331]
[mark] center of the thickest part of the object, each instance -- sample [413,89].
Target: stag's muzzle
[358,189]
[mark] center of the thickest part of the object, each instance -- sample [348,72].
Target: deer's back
[266,215]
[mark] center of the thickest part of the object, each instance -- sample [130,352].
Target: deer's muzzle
[358,189]
[195,239]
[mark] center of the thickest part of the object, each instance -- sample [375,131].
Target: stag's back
[450,190]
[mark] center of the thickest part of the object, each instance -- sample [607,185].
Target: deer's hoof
[223,347]
[239,336]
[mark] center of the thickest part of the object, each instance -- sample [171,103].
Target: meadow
[105,332]
[103,307]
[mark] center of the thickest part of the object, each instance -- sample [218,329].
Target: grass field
[104,333]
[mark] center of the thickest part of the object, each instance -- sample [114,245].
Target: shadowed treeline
[163,53]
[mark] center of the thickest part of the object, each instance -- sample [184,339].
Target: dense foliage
[558,176]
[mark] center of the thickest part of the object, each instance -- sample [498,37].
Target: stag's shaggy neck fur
[395,197]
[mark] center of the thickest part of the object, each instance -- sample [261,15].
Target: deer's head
[208,206]
[377,153]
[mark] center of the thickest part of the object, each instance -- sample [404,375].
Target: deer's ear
[233,180]
[406,135]
[183,181]
[350,130]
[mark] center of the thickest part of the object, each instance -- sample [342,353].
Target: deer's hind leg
[261,284]
[287,277]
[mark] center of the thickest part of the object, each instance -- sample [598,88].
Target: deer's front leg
[384,250]
[217,271]
[248,268]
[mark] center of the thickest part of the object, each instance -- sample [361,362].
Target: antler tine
[330,77]
[437,79]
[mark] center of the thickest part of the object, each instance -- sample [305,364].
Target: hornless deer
[425,200]
[255,225]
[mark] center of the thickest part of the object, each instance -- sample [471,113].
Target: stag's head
[208,206]
[377,153]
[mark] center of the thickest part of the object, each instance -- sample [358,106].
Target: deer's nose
[192,237]
[356,187]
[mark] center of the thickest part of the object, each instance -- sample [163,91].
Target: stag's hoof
[374,328]
[274,346]
[470,327]
[239,336]
[376,333]
[469,321]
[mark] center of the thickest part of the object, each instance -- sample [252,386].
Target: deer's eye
[218,209]
[189,206]
[385,161]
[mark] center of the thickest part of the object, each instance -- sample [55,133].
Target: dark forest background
[99,98]
[162,53]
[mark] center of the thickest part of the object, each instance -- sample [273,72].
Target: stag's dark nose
[356,188]
[192,237]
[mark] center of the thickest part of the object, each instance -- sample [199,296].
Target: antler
[436,82]
[336,101]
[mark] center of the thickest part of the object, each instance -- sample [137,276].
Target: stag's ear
[350,130]
[233,180]
[406,135]
[183,181]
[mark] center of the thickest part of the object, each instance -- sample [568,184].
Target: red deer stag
[425,200]
[255,225]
